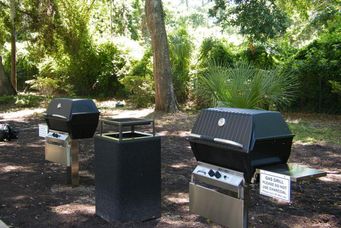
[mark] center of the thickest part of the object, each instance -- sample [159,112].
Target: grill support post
[72,170]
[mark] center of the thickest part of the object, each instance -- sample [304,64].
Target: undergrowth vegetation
[102,49]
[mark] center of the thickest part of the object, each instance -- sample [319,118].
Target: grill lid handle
[225,141]
[195,135]
[229,142]
[59,116]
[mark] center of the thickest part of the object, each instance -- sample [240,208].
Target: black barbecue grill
[78,117]
[231,145]
[241,139]
[68,121]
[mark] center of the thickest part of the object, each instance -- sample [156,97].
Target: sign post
[275,185]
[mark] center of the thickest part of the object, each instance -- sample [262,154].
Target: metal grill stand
[219,194]
[60,148]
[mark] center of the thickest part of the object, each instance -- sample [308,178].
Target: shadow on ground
[34,194]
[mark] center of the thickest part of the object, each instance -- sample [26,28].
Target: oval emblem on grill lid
[221,122]
[59,105]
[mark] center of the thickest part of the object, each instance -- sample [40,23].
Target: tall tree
[164,92]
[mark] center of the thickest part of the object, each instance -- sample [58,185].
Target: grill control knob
[217,174]
[211,173]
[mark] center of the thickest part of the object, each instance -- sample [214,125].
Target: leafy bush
[180,55]
[90,72]
[141,90]
[28,100]
[217,51]
[52,78]
[26,68]
[258,55]
[336,87]
[139,84]
[6,100]
[47,86]
[212,52]
[111,65]
[316,65]
[21,100]
[244,86]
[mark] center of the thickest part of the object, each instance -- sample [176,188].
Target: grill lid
[64,108]
[239,128]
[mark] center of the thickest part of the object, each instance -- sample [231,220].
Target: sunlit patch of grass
[22,100]
[316,130]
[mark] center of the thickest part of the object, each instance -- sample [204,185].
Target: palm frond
[244,86]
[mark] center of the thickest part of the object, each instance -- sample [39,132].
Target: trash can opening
[127,135]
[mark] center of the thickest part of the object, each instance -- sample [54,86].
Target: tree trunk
[164,92]
[5,85]
[13,48]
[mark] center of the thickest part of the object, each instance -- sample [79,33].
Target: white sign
[43,130]
[275,185]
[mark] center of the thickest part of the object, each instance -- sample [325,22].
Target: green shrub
[28,100]
[316,65]
[52,78]
[47,86]
[26,67]
[139,84]
[258,55]
[7,100]
[336,87]
[110,65]
[215,51]
[92,72]
[180,55]
[21,100]
[141,90]
[244,86]
[212,52]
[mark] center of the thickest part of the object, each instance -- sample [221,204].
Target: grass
[315,128]
[22,100]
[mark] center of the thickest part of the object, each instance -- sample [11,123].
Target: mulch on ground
[33,192]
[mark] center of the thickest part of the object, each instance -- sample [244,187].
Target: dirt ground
[33,192]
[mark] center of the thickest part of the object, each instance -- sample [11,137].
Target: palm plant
[244,86]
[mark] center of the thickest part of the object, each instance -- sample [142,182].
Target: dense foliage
[259,20]
[102,49]
[180,55]
[244,86]
[318,69]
